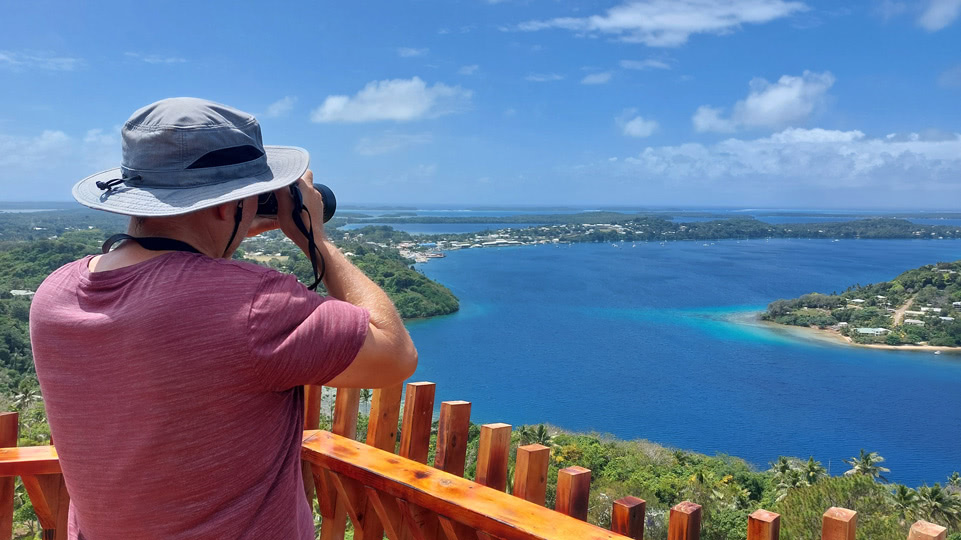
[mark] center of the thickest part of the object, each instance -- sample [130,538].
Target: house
[914,313]
[21,292]
[873,331]
[915,322]
[842,325]
[934,309]
[948,319]
[858,301]
[956,304]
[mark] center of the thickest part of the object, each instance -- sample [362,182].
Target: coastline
[834,337]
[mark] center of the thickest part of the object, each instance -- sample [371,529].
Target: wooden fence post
[9,432]
[763,525]
[452,432]
[495,443]
[685,522]
[530,473]
[839,524]
[311,421]
[384,412]
[923,530]
[346,407]
[627,517]
[381,433]
[418,414]
[573,491]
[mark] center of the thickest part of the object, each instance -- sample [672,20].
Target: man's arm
[388,355]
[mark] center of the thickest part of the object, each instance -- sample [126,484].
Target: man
[173,376]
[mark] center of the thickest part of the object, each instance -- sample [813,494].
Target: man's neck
[198,237]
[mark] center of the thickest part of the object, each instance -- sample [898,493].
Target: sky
[691,103]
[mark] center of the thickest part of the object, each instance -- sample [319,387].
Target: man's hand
[262,224]
[313,203]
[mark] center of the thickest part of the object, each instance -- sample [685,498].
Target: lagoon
[657,342]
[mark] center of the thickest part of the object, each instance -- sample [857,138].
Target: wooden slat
[530,473]
[384,413]
[418,414]
[763,525]
[454,530]
[478,507]
[381,433]
[312,394]
[29,460]
[923,530]
[452,432]
[346,406]
[412,526]
[492,454]
[839,524]
[627,517]
[352,495]
[9,430]
[685,522]
[573,491]
[387,511]
[48,494]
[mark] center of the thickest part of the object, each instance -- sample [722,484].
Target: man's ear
[225,211]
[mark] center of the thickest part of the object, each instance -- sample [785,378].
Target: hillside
[919,307]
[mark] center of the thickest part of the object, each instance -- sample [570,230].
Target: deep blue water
[652,342]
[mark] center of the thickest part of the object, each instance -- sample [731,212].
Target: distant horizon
[348,206]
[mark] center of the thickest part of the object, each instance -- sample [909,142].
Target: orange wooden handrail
[457,502]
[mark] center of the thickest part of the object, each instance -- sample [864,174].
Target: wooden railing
[398,494]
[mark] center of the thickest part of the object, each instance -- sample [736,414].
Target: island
[919,309]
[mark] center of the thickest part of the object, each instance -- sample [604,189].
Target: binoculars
[267,202]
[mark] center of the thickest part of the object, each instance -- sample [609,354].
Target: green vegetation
[727,488]
[919,307]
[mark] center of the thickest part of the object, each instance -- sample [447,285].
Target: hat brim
[286,165]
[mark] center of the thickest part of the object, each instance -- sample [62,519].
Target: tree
[937,505]
[812,471]
[535,435]
[905,501]
[867,464]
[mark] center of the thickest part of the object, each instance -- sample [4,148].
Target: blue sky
[775,103]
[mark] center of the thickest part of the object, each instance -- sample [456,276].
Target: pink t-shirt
[173,391]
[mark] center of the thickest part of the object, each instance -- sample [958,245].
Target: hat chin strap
[238,215]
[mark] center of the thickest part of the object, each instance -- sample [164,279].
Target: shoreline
[834,337]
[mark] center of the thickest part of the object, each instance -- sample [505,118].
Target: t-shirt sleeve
[297,337]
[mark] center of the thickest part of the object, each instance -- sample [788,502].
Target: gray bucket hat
[185,154]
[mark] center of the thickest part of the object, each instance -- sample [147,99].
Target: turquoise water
[657,342]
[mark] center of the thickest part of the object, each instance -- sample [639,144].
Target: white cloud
[61,158]
[888,9]
[597,78]
[399,100]
[709,119]
[669,23]
[390,141]
[468,70]
[543,77]
[811,158]
[155,58]
[639,127]
[410,52]
[644,64]
[951,77]
[38,60]
[939,14]
[280,107]
[769,105]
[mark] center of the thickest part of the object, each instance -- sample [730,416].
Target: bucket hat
[185,154]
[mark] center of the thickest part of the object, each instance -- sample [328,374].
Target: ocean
[658,342]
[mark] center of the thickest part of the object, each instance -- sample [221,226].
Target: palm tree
[535,435]
[812,471]
[937,505]
[867,464]
[955,480]
[28,394]
[905,500]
